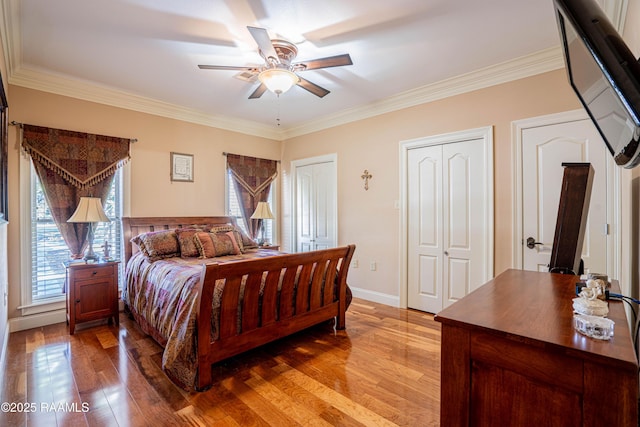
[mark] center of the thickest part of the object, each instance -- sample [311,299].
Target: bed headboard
[132,226]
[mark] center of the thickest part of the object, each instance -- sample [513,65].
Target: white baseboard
[379,297]
[42,319]
[37,320]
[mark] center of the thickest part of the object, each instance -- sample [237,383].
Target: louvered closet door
[446,223]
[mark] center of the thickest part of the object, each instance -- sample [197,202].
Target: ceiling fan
[279,73]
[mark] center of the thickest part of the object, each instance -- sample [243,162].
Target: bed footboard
[298,291]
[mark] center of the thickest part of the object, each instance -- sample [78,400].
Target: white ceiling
[144,54]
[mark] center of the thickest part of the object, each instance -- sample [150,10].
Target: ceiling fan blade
[261,36]
[259,91]
[332,61]
[227,67]
[312,87]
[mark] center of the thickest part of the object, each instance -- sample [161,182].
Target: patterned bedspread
[161,295]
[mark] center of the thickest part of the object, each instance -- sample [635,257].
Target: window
[48,248]
[234,209]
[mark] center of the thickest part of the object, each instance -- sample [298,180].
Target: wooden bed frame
[265,317]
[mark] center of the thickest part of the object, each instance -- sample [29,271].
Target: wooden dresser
[510,356]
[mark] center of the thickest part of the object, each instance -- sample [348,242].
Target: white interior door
[464,218]
[449,219]
[426,248]
[315,187]
[544,149]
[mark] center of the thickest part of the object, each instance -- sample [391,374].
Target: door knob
[531,242]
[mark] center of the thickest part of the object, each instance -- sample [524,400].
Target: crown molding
[10,33]
[537,63]
[526,66]
[88,91]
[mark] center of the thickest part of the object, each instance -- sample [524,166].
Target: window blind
[48,248]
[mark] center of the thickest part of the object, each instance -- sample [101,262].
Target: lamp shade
[263,211]
[89,210]
[278,80]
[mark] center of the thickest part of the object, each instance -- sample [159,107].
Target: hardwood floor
[384,369]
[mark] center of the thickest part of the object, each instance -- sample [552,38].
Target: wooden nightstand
[271,247]
[92,292]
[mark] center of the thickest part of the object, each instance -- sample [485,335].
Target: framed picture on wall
[181,167]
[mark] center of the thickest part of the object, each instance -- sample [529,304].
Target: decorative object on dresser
[263,211]
[92,292]
[89,211]
[237,302]
[106,247]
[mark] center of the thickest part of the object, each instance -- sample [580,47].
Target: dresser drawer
[96,272]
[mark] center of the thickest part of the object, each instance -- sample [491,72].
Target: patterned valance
[252,178]
[81,159]
[72,165]
[252,173]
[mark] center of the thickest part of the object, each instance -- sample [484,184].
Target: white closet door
[315,206]
[464,217]
[425,245]
[305,208]
[449,217]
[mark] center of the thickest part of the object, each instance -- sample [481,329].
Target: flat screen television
[604,74]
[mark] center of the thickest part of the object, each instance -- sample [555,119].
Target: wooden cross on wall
[366,176]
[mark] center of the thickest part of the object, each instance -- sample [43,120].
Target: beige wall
[631,33]
[366,218]
[369,218]
[152,192]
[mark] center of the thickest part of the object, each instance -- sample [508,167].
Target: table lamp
[263,211]
[89,210]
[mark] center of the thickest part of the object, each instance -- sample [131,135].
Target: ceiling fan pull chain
[278,101]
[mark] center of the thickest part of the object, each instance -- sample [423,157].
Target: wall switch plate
[373,266]
[355,263]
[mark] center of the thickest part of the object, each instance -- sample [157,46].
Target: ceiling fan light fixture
[278,80]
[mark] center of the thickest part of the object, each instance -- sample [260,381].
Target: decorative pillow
[216,244]
[186,240]
[226,228]
[158,244]
[221,228]
[247,242]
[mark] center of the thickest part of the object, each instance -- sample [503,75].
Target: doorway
[315,203]
[542,145]
[447,217]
